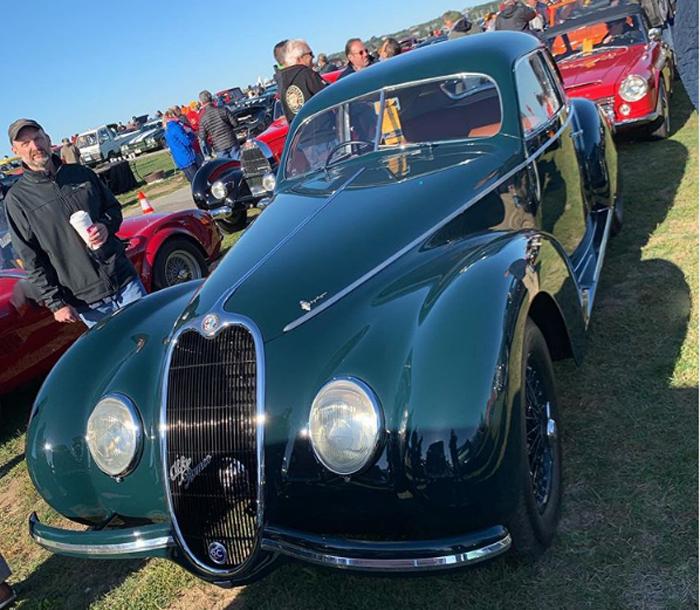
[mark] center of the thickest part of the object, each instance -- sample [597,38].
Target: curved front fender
[122,354]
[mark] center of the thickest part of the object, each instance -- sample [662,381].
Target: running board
[592,266]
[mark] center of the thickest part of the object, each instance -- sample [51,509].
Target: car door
[549,140]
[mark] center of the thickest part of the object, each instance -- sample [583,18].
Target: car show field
[628,427]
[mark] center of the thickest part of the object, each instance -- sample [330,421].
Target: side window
[537,93]
[102,135]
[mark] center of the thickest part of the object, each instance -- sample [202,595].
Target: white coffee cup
[81,222]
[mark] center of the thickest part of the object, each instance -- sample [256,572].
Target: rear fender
[598,154]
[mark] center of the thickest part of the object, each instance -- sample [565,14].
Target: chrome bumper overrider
[372,556]
[221,212]
[145,541]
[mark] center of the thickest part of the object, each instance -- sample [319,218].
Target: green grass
[628,535]
[146,164]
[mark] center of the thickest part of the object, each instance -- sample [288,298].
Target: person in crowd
[278,54]
[489,24]
[298,81]
[7,593]
[75,277]
[74,139]
[358,57]
[218,124]
[70,153]
[323,66]
[181,145]
[457,25]
[537,23]
[159,114]
[515,16]
[389,48]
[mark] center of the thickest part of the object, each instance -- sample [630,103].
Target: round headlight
[269,181]
[345,425]
[633,88]
[114,434]
[219,190]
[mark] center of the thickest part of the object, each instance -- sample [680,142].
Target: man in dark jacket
[515,17]
[86,277]
[297,80]
[218,124]
[358,57]
[457,24]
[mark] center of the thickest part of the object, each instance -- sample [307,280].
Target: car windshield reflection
[440,110]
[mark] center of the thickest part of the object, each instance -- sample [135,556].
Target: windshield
[87,139]
[596,37]
[453,108]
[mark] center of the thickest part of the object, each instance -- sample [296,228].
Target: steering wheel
[342,145]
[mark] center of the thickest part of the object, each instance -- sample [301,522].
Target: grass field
[628,535]
[146,164]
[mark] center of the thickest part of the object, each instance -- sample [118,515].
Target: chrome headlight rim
[379,433]
[133,412]
[632,80]
[219,190]
[269,181]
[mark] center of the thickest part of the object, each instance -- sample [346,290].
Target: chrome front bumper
[647,119]
[373,556]
[147,541]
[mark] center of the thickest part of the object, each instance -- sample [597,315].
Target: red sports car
[614,58]
[165,248]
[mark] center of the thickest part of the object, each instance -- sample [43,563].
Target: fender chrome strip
[418,240]
[138,546]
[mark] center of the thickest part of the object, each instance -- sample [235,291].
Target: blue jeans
[234,153]
[92,313]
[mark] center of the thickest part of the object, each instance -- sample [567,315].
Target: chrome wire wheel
[181,266]
[540,434]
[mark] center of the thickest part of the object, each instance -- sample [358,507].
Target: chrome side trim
[97,550]
[219,305]
[383,265]
[417,564]
[227,319]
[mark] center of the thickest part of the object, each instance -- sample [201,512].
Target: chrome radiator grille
[607,105]
[211,447]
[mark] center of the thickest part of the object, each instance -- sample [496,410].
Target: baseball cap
[14,129]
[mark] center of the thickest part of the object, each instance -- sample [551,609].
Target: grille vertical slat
[211,420]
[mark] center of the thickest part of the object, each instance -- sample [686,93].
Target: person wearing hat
[76,278]
[70,153]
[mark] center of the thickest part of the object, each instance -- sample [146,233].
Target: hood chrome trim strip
[219,305]
[421,238]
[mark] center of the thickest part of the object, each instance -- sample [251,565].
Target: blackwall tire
[533,524]
[664,130]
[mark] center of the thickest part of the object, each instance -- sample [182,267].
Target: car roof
[466,54]
[595,16]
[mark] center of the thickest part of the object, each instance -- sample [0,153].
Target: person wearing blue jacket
[181,146]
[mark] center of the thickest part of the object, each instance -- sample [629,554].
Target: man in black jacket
[297,80]
[75,277]
[218,124]
[358,57]
[515,17]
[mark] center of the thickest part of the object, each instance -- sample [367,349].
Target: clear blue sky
[73,65]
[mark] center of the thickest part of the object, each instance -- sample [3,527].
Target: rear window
[454,108]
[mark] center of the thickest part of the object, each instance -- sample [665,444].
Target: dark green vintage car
[365,381]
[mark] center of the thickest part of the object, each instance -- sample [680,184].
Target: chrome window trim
[97,550]
[418,240]
[382,92]
[368,564]
[226,319]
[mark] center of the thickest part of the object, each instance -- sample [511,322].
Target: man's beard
[40,163]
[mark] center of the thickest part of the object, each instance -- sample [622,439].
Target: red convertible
[614,58]
[165,248]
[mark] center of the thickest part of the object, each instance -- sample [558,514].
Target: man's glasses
[362,52]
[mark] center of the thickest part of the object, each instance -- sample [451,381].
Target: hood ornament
[307,305]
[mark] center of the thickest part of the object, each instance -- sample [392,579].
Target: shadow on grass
[66,582]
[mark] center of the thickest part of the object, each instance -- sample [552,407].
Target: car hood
[606,67]
[326,235]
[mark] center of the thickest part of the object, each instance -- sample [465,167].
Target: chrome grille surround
[225,321]
[607,105]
